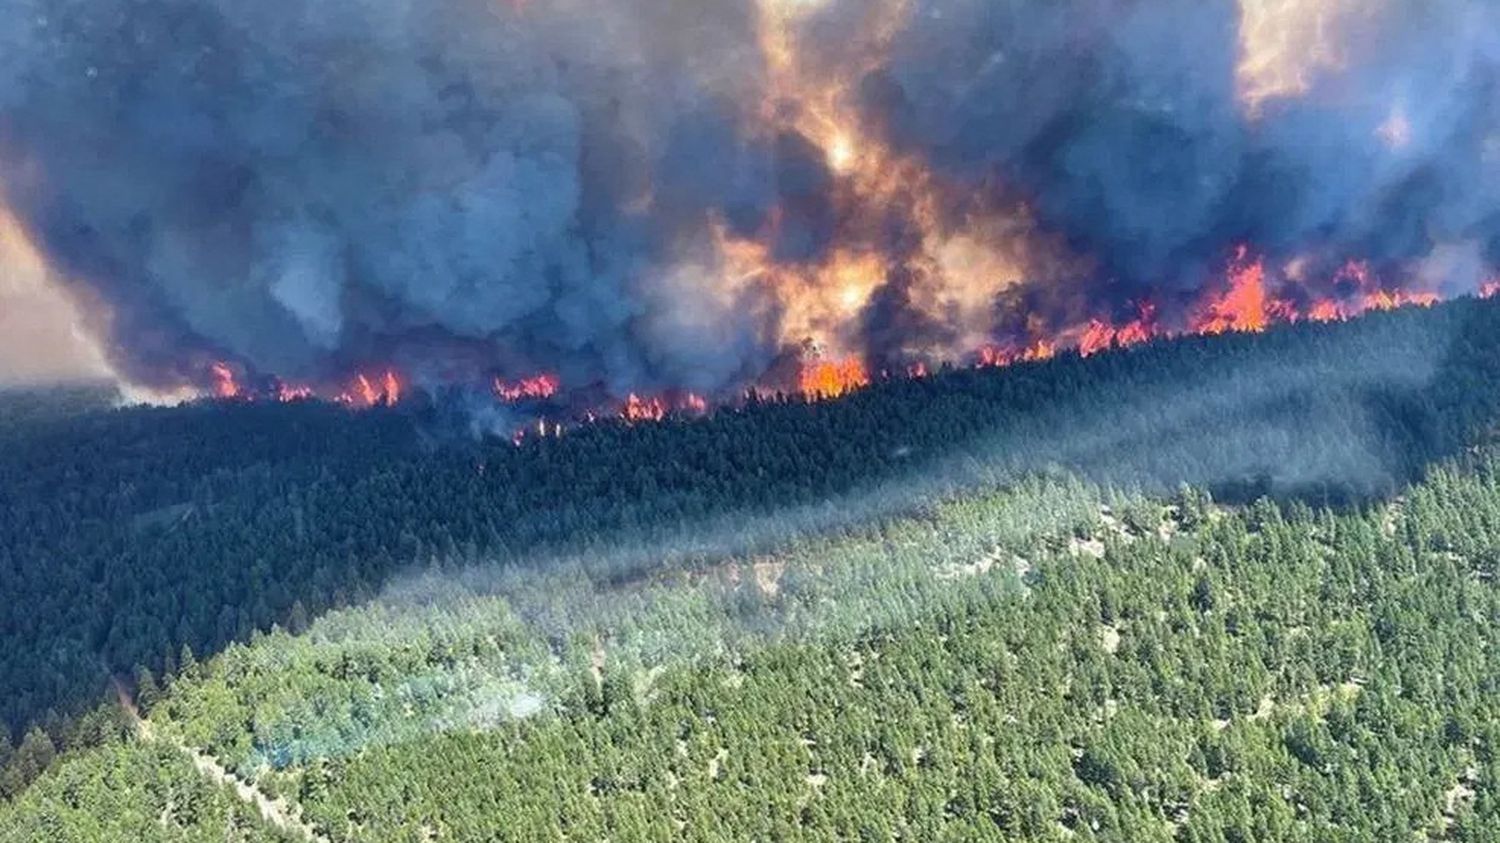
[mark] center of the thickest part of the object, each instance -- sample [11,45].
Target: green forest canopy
[1046,661]
[136,538]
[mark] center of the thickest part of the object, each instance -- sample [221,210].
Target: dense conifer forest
[1228,588]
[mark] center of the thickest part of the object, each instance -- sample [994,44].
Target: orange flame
[694,403]
[1245,306]
[996,356]
[1251,299]
[528,389]
[225,383]
[1040,350]
[1370,295]
[1326,310]
[1099,336]
[953,267]
[832,378]
[383,391]
[1389,300]
[367,391]
[287,393]
[1139,331]
[638,409]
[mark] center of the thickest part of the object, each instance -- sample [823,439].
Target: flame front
[648,409]
[1245,305]
[832,378]
[533,388]
[226,383]
[381,389]
[653,212]
[948,267]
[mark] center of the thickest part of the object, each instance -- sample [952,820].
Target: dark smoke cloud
[466,186]
[1123,122]
[296,183]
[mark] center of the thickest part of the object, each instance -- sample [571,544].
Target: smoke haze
[650,195]
[41,340]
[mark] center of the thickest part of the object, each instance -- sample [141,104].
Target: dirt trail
[275,811]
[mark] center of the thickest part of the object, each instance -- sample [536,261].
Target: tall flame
[226,384]
[900,184]
[379,390]
[832,378]
[638,409]
[1102,336]
[953,267]
[911,264]
[1246,305]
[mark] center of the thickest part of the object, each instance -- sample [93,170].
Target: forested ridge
[141,540]
[1047,661]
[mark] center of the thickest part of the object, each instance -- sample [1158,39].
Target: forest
[346,608]
[1045,661]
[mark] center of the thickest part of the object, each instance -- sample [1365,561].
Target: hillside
[749,420]
[1049,661]
[628,609]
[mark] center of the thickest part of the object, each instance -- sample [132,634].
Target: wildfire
[528,389]
[994,356]
[1102,336]
[1245,306]
[367,391]
[1097,337]
[1390,300]
[1367,295]
[287,393]
[889,224]
[1139,331]
[638,409]
[1248,305]
[694,404]
[832,378]
[383,390]
[1326,310]
[1251,299]
[226,385]
[950,267]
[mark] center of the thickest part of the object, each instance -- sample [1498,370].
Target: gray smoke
[471,187]
[1123,122]
[304,185]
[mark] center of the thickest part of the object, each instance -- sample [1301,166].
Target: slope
[133,540]
[1042,661]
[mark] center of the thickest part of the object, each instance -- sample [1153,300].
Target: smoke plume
[648,196]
